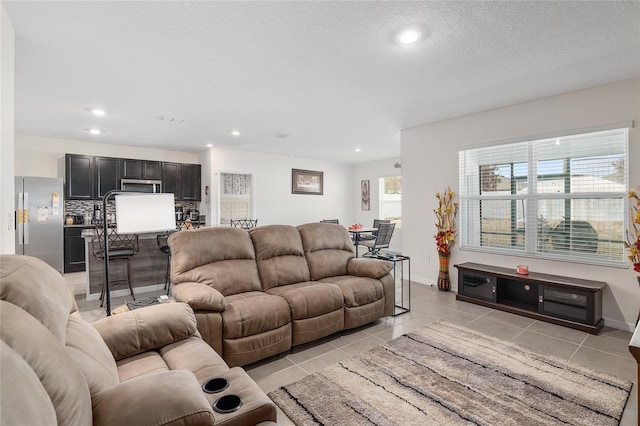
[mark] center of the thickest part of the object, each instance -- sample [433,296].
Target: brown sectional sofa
[144,367]
[257,293]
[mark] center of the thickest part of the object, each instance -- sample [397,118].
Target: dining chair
[161,239]
[376,225]
[122,247]
[244,223]
[383,239]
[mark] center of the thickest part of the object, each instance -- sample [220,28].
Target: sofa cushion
[145,329]
[253,313]
[327,248]
[141,365]
[58,374]
[195,355]
[91,354]
[310,299]
[279,255]
[39,289]
[167,398]
[372,268]
[357,291]
[199,296]
[24,400]
[220,257]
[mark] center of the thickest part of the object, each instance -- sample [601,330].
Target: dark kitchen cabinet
[74,255]
[171,179]
[190,181]
[78,177]
[107,175]
[140,169]
[90,178]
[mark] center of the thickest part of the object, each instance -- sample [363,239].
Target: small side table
[402,299]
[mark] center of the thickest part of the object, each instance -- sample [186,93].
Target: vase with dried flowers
[446,236]
[632,234]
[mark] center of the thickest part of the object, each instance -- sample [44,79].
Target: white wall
[44,157]
[430,164]
[274,202]
[372,171]
[7,186]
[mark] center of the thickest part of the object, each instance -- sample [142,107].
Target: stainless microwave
[141,185]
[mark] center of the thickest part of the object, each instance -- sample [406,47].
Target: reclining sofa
[143,367]
[258,292]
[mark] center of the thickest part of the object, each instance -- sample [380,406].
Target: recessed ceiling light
[99,112]
[209,145]
[358,149]
[235,133]
[409,36]
[95,131]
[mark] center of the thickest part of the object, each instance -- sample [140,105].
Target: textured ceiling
[325,73]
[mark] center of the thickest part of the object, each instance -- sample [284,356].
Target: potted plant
[632,234]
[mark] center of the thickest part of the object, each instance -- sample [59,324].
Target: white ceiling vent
[171,119]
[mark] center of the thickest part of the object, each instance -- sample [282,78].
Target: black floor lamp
[136,213]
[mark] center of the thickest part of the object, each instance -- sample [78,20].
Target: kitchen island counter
[148,267]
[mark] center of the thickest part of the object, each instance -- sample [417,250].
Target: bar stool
[122,247]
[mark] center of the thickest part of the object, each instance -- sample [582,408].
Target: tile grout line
[523,330]
[578,348]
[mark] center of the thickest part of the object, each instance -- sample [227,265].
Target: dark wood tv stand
[571,302]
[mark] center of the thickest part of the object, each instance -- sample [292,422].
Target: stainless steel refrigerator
[39,219]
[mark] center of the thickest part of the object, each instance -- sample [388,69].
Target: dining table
[357,234]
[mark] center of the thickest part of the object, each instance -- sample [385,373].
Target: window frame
[473,234]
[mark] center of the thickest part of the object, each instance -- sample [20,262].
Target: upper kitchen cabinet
[107,175]
[140,169]
[190,180]
[171,179]
[183,180]
[79,177]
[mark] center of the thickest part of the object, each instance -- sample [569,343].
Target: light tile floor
[606,352]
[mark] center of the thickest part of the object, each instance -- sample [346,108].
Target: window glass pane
[495,179]
[582,226]
[391,199]
[235,197]
[500,223]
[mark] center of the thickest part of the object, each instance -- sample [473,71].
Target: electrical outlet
[428,258]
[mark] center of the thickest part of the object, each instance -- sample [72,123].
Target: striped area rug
[444,374]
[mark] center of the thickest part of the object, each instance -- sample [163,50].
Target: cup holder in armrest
[227,403]
[215,385]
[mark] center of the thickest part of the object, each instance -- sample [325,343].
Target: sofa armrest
[166,398]
[144,329]
[371,268]
[199,296]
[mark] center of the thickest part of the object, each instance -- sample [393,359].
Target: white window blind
[557,197]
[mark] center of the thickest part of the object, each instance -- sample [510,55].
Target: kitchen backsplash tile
[84,207]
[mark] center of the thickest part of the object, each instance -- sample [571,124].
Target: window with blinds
[560,198]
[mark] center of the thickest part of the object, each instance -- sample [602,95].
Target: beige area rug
[444,374]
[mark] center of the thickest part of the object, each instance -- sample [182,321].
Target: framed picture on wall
[306,182]
[365,195]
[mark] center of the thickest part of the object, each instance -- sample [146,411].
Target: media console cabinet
[571,302]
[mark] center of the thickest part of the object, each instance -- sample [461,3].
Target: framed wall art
[306,182]
[365,195]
